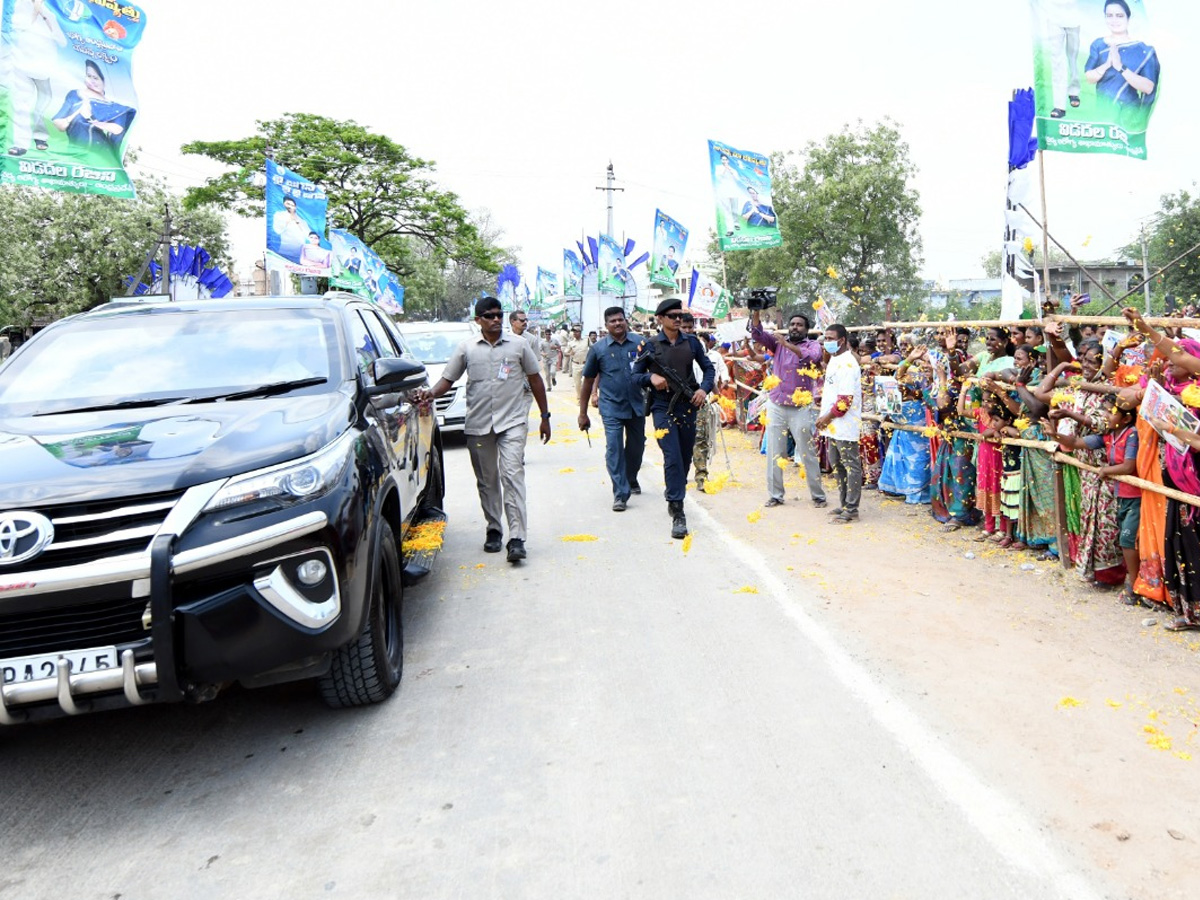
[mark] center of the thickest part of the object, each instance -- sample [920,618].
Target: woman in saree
[1180,555]
[1096,553]
[906,468]
[954,463]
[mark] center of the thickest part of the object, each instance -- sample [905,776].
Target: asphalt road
[608,719]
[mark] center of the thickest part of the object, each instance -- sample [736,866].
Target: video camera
[760,298]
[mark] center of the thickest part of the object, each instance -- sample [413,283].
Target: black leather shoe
[634,487]
[516,550]
[619,505]
[493,542]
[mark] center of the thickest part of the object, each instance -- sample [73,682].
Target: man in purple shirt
[792,404]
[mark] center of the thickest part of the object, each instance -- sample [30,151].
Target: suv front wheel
[367,670]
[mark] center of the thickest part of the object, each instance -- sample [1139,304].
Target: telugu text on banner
[66,94]
[1096,76]
[296,222]
[742,184]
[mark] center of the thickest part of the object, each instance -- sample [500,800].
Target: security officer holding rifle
[664,365]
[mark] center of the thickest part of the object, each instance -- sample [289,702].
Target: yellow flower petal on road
[687,543]
[1115,704]
[578,538]
[748,589]
[754,517]
[1069,703]
[567,471]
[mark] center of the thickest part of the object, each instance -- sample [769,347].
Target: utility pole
[1145,271]
[610,189]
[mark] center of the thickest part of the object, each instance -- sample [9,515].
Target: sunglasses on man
[491,315]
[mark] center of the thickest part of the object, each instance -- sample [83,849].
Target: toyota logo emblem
[23,535]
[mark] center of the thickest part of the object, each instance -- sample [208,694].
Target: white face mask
[831,347]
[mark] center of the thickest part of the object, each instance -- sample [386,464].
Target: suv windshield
[434,346]
[157,356]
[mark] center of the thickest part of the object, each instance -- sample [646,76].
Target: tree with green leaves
[1176,229]
[65,253]
[848,216]
[377,190]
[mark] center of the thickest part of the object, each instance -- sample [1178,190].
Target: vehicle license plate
[441,421]
[33,668]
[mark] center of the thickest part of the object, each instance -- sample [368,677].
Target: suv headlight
[301,479]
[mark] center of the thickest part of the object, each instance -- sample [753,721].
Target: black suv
[196,494]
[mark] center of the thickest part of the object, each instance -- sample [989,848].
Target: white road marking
[1001,822]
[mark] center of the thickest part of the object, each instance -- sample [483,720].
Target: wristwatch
[545,415]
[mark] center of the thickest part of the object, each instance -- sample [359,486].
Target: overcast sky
[522,104]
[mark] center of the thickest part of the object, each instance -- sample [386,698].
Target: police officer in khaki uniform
[575,355]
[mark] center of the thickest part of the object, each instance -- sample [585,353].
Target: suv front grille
[445,401]
[64,628]
[86,532]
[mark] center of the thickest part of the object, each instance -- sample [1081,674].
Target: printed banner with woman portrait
[1096,75]
[670,242]
[66,94]
[296,210]
[358,269]
[742,185]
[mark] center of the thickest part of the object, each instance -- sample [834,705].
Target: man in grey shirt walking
[497,422]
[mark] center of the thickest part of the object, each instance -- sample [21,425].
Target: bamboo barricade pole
[1051,447]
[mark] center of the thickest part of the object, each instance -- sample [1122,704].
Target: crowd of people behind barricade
[978,437]
[1066,442]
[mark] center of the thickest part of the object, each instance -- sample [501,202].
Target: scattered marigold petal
[771,382]
[782,461]
[687,543]
[578,538]
[748,589]
[1115,704]
[1069,703]
[754,517]
[567,471]
[660,433]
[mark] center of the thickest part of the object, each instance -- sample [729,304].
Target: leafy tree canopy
[1176,230]
[65,253]
[377,190]
[848,216]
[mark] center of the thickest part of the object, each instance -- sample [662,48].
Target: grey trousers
[847,466]
[498,459]
[800,422]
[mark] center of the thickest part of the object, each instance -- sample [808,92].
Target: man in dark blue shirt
[622,404]
[664,365]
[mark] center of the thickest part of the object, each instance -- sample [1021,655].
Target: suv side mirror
[396,374]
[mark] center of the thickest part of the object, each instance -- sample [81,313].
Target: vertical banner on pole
[670,243]
[572,274]
[1096,75]
[611,273]
[66,94]
[296,222]
[545,286]
[742,184]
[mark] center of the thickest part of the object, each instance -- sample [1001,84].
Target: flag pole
[1045,228]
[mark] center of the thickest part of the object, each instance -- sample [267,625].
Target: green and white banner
[670,242]
[1096,75]
[545,286]
[611,273]
[572,274]
[66,94]
[741,181]
[707,297]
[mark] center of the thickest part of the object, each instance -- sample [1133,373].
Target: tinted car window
[365,349]
[167,353]
[380,333]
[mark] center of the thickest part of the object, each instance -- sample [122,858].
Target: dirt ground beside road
[1068,701]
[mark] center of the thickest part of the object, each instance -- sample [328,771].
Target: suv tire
[367,670]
